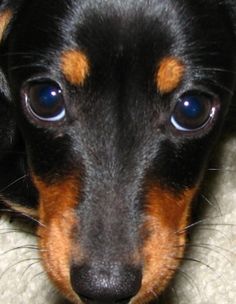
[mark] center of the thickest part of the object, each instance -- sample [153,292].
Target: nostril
[111,284]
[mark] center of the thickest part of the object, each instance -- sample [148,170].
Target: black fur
[113,137]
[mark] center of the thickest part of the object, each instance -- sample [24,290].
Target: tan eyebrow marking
[75,66]
[5,18]
[169,74]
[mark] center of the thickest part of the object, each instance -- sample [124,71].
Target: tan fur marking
[57,214]
[5,18]
[166,215]
[75,66]
[169,74]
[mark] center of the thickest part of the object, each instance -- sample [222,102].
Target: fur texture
[110,112]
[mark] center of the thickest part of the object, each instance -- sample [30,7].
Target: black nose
[102,284]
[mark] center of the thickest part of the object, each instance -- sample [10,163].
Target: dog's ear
[16,188]
[7,124]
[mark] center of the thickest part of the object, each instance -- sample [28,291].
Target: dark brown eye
[44,100]
[193,111]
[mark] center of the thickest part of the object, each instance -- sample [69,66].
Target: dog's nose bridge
[108,208]
[108,226]
[108,242]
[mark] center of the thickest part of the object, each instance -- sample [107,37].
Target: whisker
[13,265]
[214,82]
[213,205]
[154,293]
[25,215]
[7,231]
[25,54]
[31,247]
[13,183]
[213,69]
[226,236]
[37,275]
[219,85]
[203,222]
[34,65]
[211,247]
[219,224]
[174,292]
[189,280]
[221,169]
[30,265]
[191,259]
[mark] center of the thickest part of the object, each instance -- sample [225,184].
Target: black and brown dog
[109,111]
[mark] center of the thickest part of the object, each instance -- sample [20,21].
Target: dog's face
[119,104]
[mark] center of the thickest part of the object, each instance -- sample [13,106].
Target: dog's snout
[116,283]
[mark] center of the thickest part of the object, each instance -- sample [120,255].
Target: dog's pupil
[192,107]
[48,96]
[46,99]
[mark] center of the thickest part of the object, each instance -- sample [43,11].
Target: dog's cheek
[58,220]
[166,218]
[55,246]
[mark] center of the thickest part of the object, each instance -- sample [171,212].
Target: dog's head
[119,104]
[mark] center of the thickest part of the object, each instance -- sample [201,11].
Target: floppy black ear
[7,122]
[16,189]
[8,10]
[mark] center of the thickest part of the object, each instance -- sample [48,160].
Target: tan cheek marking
[75,66]
[166,214]
[57,214]
[169,74]
[5,18]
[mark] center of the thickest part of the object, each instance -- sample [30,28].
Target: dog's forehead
[143,31]
[94,16]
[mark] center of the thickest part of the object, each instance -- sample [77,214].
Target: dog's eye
[192,112]
[44,100]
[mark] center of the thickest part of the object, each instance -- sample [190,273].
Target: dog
[109,113]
